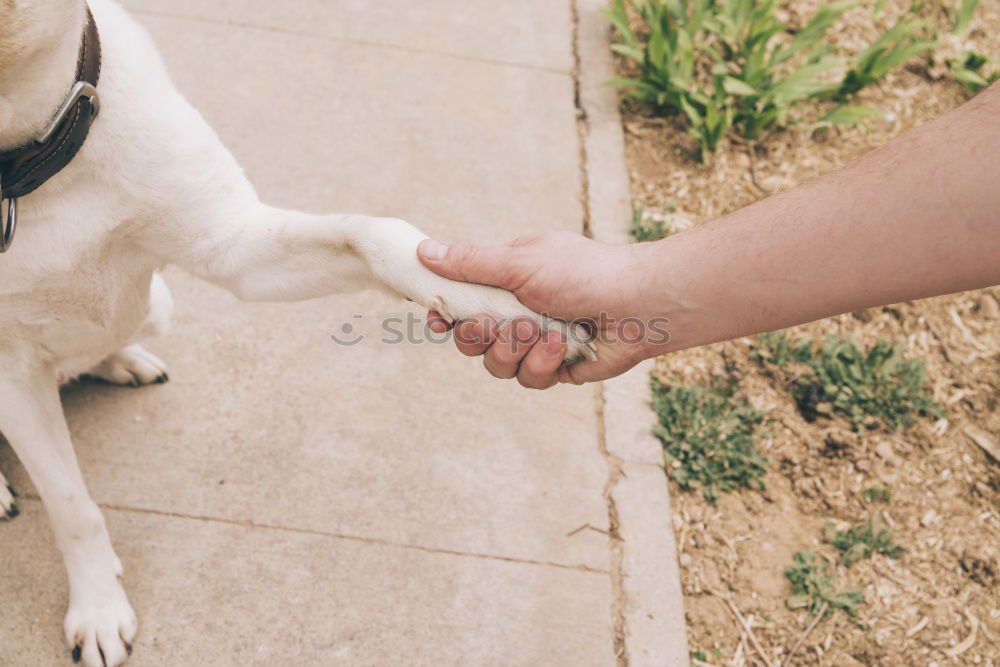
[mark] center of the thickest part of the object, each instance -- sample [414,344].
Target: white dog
[151,185]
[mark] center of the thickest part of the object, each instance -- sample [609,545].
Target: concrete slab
[518,32]
[211,593]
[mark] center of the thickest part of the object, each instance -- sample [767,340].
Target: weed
[775,348]
[702,657]
[880,386]
[862,540]
[644,228]
[813,584]
[708,437]
[877,494]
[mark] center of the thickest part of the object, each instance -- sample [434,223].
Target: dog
[150,185]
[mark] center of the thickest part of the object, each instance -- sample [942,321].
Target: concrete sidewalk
[288,500]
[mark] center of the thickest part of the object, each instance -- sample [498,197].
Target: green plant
[708,437]
[702,657]
[814,584]
[880,385]
[775,348]
[734,65]
[862,540]
[963,16]
[905,40]
[877,494]
[718,62]
[968,70]
[644,228]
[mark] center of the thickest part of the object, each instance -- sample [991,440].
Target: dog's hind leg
[100,622]
[133,364]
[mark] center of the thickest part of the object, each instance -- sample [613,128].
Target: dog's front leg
[261,253]
[100,623]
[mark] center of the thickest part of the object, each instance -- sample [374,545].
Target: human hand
[561,275]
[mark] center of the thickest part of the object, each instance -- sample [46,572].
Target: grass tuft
[813,584]
[708,437]
[878,387]
[863,540]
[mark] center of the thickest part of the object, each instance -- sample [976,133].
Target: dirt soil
[940,603]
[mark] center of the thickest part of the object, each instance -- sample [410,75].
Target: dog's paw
[132,365]
[100,628]
[8,508]
[390,248]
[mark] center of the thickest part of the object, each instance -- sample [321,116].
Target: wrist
[664,274]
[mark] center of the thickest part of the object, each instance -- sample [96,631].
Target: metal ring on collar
[8,226]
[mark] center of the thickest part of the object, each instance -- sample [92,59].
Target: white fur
[152,185]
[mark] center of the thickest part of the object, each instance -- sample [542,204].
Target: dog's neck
[38,59]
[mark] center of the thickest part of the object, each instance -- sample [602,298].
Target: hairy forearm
[916,218]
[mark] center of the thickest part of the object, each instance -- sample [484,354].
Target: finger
[488,265]
[504,356]
[436,323]
[612,360]
[475,335]
[539,368]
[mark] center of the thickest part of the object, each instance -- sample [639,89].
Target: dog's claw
[76,653]
[8,508]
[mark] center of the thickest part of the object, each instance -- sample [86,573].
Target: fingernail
[554,346]
[431,249]
[523,331]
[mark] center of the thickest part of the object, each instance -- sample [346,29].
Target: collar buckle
[80,90]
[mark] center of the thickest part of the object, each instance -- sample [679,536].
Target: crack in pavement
[246,523]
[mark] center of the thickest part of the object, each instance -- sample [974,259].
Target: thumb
[488,265]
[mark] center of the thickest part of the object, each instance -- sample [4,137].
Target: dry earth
[938,604]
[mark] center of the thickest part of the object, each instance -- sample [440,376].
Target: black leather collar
[24,169]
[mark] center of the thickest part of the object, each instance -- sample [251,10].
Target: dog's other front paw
[8,508]
[100,628]
[132,365]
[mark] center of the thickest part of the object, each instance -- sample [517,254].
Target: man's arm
[916,218]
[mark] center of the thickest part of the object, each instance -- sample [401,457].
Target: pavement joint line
[613,462]
[246,523]
[350,40]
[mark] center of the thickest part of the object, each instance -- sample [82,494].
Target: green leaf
[966,10]
[849,115]
[802,83]
[970,79]
[734,86]
[630,52]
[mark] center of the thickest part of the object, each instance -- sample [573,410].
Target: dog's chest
[73,302]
